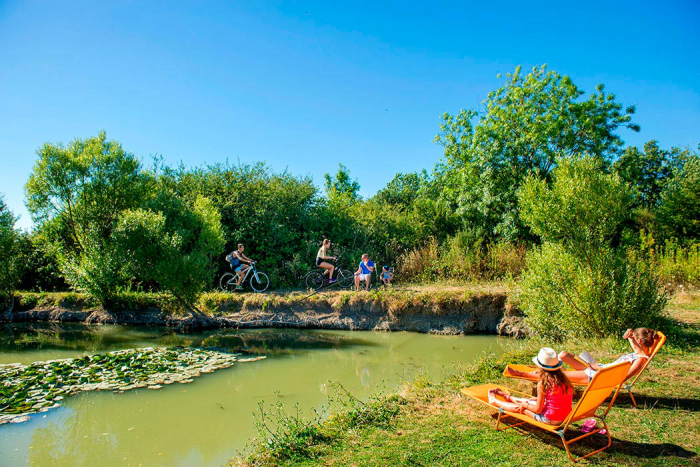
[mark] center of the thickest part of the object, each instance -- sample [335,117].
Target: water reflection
[19,338]
[205,422]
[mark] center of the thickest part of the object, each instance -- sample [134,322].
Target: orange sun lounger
[627,386]
[606,381]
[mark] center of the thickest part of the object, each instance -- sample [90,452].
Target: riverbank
[430,423]
[451,310]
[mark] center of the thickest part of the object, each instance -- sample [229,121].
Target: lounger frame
[603,384]
[627,386]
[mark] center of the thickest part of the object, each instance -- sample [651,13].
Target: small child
[554,392]
[387,276]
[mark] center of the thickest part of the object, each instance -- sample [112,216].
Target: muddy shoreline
[479,314]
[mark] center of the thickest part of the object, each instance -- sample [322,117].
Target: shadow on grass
[620,447]
[651,402]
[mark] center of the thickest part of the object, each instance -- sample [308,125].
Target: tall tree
[679,211]
[77,192]
[10,258]
[527,123]
[646,171]
[342,184]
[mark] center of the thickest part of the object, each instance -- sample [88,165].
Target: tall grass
[676,264]
[459,259]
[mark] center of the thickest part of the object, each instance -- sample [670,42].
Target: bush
[577,283]
[562,296]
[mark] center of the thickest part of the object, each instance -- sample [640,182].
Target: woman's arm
[635,367]
[537,405]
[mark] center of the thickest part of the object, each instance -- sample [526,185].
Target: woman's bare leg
[509,406]
[329,269]
[577,377]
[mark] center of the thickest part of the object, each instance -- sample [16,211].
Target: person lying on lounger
[554,392]
[641,340]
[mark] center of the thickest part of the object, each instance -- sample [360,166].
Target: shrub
[576,283]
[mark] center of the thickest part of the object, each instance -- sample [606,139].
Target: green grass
[435,426]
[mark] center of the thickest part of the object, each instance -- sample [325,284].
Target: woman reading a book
[585,367]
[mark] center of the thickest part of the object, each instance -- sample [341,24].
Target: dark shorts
[319,261]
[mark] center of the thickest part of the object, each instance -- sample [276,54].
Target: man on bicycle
[237,260]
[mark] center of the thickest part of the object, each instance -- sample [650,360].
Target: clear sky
[305,85]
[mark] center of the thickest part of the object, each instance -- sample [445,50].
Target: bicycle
[259,282]
[316,280]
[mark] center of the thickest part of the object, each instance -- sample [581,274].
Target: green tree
[577,282]
[76,193]
[11,261]
[646,171]
[173,243]
[342,184]
[679,212]
[527,124]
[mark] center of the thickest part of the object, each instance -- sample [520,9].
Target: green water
[206,422]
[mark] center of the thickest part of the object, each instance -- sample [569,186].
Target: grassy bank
[429,423]
[433,299]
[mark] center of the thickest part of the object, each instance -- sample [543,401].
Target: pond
[209,420]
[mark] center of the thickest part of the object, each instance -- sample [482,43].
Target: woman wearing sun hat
[554,392]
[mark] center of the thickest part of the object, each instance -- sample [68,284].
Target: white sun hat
[547,359]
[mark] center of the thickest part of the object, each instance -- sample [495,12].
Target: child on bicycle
[387,276]
[237,263]
[321,258]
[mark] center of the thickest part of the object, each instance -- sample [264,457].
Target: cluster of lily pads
[40,386]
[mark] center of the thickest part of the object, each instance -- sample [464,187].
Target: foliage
[173,246]
[645,171]
[85,186]
[528,123]
[11,260]
[286,436]
[342,184]
[462,257]
[75,194]
[679,211]
[577,283]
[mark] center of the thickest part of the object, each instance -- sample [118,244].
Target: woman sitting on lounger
[641,340]
[554,392]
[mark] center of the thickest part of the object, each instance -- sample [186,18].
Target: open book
[586,357]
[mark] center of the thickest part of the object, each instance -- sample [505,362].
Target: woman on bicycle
[321,258]
[237,264]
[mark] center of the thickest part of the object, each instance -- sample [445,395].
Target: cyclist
[321,256]
[237,263]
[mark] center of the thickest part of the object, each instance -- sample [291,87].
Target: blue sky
[305,85]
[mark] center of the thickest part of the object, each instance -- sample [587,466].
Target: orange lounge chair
[606,381]
[627,386]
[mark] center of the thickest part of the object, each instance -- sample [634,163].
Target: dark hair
[645,336]
[550,379]
[239,246]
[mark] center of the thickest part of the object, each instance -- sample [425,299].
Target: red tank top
[557,403]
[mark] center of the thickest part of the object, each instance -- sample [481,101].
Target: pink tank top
[557,403]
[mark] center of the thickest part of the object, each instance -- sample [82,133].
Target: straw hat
[547,359]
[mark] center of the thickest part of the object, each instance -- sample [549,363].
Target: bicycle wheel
[314,280]
[345,278]
[228,281]
[259,282]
